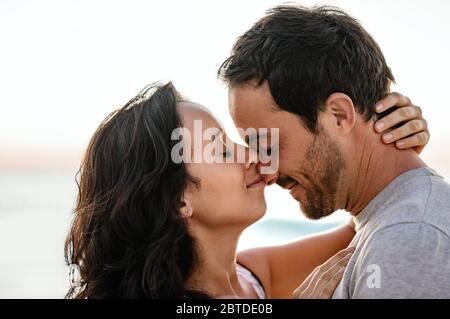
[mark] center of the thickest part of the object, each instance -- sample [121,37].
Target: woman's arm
[281,269]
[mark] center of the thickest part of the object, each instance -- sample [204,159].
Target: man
[316,74]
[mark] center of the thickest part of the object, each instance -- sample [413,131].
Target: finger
[330,274]
[305,289]
[335,259]
[408,129]
[390,100]
[319,274]
[322,277]
[330,287]
[403,114]
[304,285]
[416,140]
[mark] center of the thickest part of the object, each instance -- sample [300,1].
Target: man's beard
[321,170]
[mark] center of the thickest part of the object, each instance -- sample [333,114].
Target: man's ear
[185,206]
[341,111]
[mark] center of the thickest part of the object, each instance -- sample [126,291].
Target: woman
[147,227]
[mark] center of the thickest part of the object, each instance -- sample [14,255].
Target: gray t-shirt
[402,241]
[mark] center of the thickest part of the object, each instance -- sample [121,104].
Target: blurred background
[64,65]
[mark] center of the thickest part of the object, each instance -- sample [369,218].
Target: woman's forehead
[191,113]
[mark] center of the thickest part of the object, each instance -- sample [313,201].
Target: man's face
[310,165]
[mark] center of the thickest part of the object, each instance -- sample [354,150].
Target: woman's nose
[268,178]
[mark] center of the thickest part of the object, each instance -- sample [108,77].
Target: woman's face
[229,193]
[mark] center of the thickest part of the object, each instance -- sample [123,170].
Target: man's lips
[257,182]
[295,190]
[290,187]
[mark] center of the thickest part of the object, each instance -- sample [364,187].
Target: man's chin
[314,213]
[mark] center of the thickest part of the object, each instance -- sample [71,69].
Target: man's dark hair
[306,54]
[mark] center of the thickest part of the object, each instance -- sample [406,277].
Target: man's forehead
[247,98]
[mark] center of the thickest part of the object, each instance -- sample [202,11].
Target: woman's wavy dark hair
[128,239]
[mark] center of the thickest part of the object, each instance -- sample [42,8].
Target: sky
[65,65]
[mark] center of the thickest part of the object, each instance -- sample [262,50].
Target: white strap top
[252,279]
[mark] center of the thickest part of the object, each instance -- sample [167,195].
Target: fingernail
[387,137]
[401,144]
[379,107]
[379,126]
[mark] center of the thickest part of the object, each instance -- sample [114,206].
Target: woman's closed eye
[227,153]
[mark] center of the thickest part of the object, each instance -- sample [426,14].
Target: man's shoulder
[416,234]
[437,211]
[408,239]
[410,260]
[425,200]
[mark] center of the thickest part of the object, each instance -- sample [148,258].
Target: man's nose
[268,178]
[250,158]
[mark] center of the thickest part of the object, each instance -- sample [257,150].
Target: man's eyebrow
[262,134]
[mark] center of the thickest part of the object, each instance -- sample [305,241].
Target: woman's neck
[215,269]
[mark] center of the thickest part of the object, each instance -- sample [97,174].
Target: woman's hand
[413,134]
[322,282]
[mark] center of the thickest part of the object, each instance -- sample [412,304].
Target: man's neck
[376,166]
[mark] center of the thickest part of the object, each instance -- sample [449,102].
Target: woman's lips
[260,183]
[257,183]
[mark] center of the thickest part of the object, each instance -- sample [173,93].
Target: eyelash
[268,151]
[226,153]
